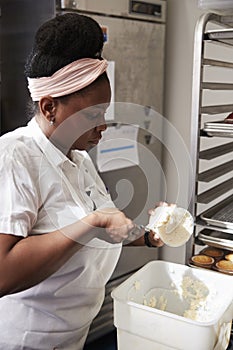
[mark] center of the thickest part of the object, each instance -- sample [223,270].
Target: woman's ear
[48,108]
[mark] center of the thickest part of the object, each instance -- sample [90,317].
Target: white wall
[181,20]
[182,16]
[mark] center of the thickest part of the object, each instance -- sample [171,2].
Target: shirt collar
[54,155]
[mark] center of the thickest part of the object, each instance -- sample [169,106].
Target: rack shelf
[217,109]
[215,172]
[222,36]
[216,86]
[217,151]
[215,192]
[216,63]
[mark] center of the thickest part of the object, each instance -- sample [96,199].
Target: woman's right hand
[39,256]
[112,225]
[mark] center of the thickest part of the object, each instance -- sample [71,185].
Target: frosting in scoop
[174,225]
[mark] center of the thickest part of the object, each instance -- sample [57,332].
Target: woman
[61,236]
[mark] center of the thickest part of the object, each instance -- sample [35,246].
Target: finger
[117,233]
[159,243]
[161,204]
[156,236]
[117,238]
[151,211]
[172,205]
[157,240]
[130,225]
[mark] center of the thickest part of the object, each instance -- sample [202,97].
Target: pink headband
[73,77]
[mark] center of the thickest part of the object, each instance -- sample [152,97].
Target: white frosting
[174,225]
[192,293]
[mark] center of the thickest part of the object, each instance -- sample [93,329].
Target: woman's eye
[94,116]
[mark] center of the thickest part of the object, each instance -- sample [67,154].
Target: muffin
[225,266]
[215,253]
[202,260]
[229,257]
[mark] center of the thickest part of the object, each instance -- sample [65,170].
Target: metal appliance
[135,40]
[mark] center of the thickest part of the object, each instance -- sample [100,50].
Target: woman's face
[80,121]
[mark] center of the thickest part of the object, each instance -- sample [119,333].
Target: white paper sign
[118,148]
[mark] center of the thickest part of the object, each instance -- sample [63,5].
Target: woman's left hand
[155,240]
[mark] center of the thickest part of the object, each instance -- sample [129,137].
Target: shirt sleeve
[19,198]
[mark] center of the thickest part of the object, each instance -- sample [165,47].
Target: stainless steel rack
[211,137]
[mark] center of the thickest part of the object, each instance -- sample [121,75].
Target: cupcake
[202,260]
[225,266]
[229,257]
[215,253]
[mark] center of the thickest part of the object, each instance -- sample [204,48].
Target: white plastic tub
[142,327]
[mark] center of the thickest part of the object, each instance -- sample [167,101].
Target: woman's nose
[101,125]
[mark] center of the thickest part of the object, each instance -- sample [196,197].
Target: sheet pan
[220,215]
[219,128]
[216,239]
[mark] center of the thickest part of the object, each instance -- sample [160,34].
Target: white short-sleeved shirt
[42,190]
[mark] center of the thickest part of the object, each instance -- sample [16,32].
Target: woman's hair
[60,41]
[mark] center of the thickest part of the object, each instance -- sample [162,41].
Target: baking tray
[223,35]
[220,215]
[219,128]
[219,125]
[216,239]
